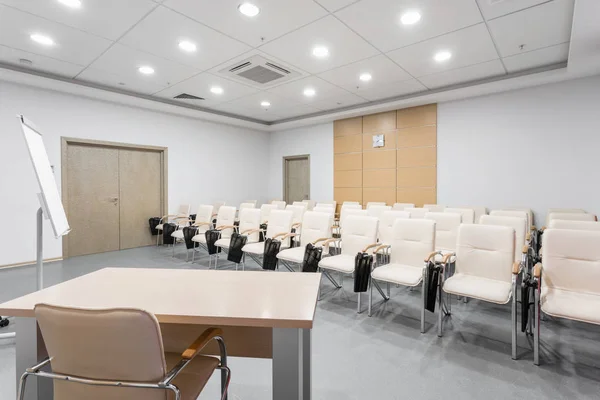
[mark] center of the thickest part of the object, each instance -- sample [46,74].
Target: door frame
[64,145]
[285,171]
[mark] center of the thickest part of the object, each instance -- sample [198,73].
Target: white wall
[316,140]
[207,161]
[537,148]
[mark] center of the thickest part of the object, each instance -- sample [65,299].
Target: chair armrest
[447,257]
[525,249]
[251,231]
[202,223]
[516,268]
[320,240]
[543,228]
[280,235]
[194,349]
[528,236]
[287,235]
[220,228]
[381,247]
[537,270]
[297,224]
[432,255]
[370,247]
[533,228]
[330,240]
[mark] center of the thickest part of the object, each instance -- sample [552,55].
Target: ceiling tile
[340,101]
[133,83]
[276,17]
[334,5]
[200,86]
[391,90]
[125,61]
[40,63]
[542,26]
[297,112]
[344,46]
[382,70]
[494,9]
[251,104]
[295,90]
[462,75]
[161,31]
[107,18]
[537,58]
[70,44]
[378,21]
[468,46]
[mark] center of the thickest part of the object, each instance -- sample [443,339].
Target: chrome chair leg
[370,297]
[423,300]
[22,382]
[388,289]
[536,333]
[358,306]
[513,318]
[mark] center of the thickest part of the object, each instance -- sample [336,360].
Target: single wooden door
[140,175]
[297,178]
[92,187]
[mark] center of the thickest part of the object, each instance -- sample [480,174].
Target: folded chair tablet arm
[370,247]
[432,255]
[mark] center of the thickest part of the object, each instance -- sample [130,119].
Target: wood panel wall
[403,171]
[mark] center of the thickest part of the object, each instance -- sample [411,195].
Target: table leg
[30,350]
[291,364]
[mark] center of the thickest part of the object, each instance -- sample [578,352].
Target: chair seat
[571,305]
[479,288]
[401,274]
[159,227]
[194,377]
[200,238]
[295,255]
[178,234]
[223,243]
[340,262]
[258,248]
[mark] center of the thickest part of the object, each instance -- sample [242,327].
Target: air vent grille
[259,72]
[186,96]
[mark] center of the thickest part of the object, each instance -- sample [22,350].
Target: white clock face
[378,140]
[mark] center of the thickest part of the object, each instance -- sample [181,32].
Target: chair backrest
[527,210]
[315,225]
[467,214]
[115,344]
[375,211]
[577,225]
[513,213]
[417,213]
[250,219]
[326,204]
[348,212]
[298,212]
[265,211]
[359,232]
[412,241]
[446,229]
[184,209]
[571,217]
[280,221]
[204,214]
[386,224]
[485,251]
[326,210]
[562,211]
[311,204]
[519,224]
[217,205]
[226,216]
[301,204]
[436,208]
[246,205]
[375,203]
[251,201]
[279,203]
[350,207]
[402,206]
[571,260]
[350,202]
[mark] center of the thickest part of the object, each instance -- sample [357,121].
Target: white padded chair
[298,212]
[202,223]
[446,230]
[279,203]
[485,270]
[417,212]
[216,206]
[402,206]
[311,204]
[249,225]
[301,204]
[346,213]
[568,278]
[375,203]
[514,213]
[562,211]
[225,221]
[577,225]
[412,245]
[468,214]
[326,210]
[529,213]
[359,232]
[246,205]
[436,208]
[328,204]
[376,211]
[253,202]
[351,206]
[280,224]
[519,224]
[386,225]
[265,211]
[183,213]
[571,217]
[316,228]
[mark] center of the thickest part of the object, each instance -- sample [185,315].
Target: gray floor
[382,357]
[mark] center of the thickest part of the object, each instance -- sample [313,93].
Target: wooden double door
[109,192]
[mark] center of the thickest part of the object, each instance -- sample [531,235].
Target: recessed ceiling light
[146,70]
[216,90]
[366,77]
[45,40]
[71,3]
[187,46]
[442,56]
[249,9]
[265,104]
[410,17]
[320,51]
[309,92]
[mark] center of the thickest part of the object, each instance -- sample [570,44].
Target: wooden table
[263,315]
